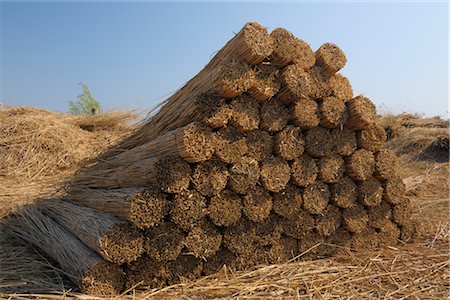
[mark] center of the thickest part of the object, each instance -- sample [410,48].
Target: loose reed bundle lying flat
[143,207]
[84,267]
[113,239]
[289,48]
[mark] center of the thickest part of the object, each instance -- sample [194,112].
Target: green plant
[86,104]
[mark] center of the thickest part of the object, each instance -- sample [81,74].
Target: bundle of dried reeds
[87,269]
[113,239]
[245,168]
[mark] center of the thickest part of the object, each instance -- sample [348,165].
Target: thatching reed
[340,87]
[304,171]
[360,165]
[223,74]
[266,82]
[143,207]
[210,178]
[289,143]
[275,174]
[231,145]
[330,57]
[274,116]
[94,275]
[305,113]
[225,208]
[261,158]
[289,48]
[333,113]
[371,138]
[164,242]
[112,238]
[361,113]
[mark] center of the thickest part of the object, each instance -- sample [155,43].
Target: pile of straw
[262,157]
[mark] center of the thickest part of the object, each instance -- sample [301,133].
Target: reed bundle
[228,74]
[115,240]
[87,269]
[263,156]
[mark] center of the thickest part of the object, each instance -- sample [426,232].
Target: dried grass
[408,271]
[40,150]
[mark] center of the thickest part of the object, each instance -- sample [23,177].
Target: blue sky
[132,55]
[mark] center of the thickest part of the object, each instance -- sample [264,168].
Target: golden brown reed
[329,221]
[210,177]
[245,113]
[318,142]
[340,87]
[164,242]
[355,218]
[257,204]
[266,82]
[231,145]
[316,197]
[370,192]
[361,113]
[259,145]
[188,209]
[244,175]
[344,141]
[252,42]
[305,113]
[360,165]
[115,240]
[296,84]
[143,207]
[225,208]
[371,138]
[386,164]
[333,112]
[274,116]
[289,48]
[344,193]
[394,190]
[275,174]
[331,168]
[288,202]
[94,275]
[330,57]
[203,240]
[289,143]
[304,170]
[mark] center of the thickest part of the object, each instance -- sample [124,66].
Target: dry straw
[112,238]
[224,73]
[94,275]
[143,207]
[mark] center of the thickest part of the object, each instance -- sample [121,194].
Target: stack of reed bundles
[263,156]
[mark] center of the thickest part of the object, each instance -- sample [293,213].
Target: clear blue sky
[132,55]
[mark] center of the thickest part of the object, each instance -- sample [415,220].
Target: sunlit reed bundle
[113,239]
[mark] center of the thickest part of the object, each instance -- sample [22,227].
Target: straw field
[268,180]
